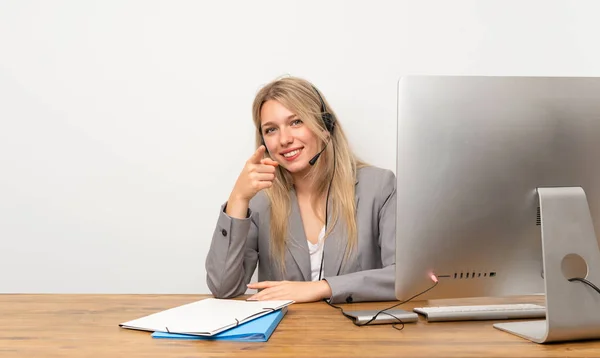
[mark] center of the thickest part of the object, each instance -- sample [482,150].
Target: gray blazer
[238,244]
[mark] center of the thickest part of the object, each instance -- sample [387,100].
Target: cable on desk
[435,282]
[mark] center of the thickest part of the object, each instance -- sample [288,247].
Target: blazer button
[349,299]
[224,232]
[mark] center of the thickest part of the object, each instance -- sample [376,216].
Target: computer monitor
[498,194]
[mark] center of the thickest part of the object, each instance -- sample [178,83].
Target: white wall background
[124,124]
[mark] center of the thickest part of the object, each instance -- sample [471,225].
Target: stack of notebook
[215,319]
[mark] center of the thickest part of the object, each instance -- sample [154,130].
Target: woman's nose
[285,138]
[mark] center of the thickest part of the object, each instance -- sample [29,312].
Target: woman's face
[288,140]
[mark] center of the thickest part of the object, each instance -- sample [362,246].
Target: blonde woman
[319,222]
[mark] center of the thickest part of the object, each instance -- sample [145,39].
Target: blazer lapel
[297,244]
[335,244]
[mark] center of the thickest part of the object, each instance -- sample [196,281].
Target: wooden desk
[87,326]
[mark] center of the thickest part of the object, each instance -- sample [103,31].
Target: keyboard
[482,312]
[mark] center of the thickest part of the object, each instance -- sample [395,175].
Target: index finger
[257,156]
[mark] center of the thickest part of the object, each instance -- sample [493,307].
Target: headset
[329,122]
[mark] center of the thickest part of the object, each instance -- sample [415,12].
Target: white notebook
[206,317]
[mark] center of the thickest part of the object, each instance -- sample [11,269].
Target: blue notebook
[256,330]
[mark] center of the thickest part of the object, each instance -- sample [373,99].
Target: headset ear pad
[328,122]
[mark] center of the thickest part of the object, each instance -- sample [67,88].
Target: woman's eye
[268,130]
[296,121]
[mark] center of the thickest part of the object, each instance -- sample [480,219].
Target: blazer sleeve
[233,254]
[375,284]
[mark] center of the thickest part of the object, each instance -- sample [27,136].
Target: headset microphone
[314,159]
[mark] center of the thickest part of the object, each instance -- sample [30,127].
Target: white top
[316,254]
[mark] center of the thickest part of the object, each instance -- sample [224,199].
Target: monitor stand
[569,249]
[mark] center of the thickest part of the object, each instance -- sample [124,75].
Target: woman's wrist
[324,289]
[237,207]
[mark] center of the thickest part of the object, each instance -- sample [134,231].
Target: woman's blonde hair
[300,97]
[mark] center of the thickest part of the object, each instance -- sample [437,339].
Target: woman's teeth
[292,153]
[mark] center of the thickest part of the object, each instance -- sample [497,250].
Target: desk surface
[87,326]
